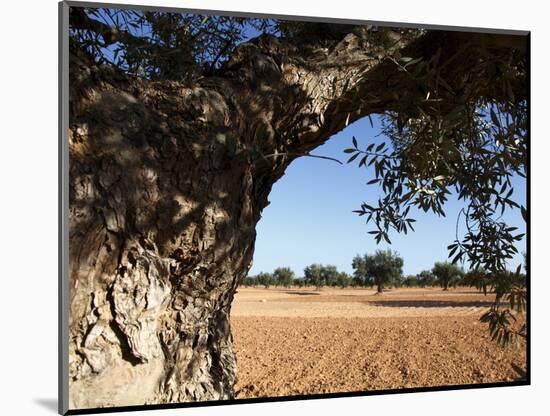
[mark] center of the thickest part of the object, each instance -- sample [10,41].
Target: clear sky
[310,218]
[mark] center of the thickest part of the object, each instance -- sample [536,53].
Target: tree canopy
[322,275]
[448,274]
[383,267]
[284,276]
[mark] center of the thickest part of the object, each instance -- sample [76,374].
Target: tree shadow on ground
[430,303]
[302,293]
[470,292]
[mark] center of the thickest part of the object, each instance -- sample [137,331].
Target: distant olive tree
[359,271]
[265,279]
[426,278]
[319,275]
[447,274]
[410,281]
[283,276]
[249,281]
[329,275]
[383,267]
[313,275]
[479,279]
[343,280]
[299,282]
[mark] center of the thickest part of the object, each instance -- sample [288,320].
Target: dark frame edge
[63,205]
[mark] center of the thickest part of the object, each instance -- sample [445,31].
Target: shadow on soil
[303,293]
[430,303]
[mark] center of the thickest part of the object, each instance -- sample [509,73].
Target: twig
[304,154]
[382,155]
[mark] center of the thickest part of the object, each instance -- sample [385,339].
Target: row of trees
[382,269]
[316,275]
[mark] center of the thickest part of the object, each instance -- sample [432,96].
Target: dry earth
[297,341]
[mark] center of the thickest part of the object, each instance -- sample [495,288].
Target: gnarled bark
[167,183]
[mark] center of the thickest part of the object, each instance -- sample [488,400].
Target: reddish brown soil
[352,340]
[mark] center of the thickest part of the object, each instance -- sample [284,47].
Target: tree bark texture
[167,183]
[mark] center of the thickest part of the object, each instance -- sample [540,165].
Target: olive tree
[447,274]
[265,279]
[250,281]
[343,280]
[180,124]
[283,276]
[426,278]
[313,275]
[321,275]
[384,267]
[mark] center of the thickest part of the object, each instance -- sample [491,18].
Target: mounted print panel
[261,208]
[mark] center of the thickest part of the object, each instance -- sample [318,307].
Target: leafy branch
[472,150]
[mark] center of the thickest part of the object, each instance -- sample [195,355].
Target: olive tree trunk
[167,183]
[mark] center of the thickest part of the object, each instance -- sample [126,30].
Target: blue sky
[310,218]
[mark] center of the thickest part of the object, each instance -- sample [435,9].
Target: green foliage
[479,279]
[313,275]
[322,275]
[299,282]
[447,274]
[422,167]
[426,278]
[265,279]
[249,281]
[436,144]
[317,275]
[359,270]
[283,276]
[511,300]
[383,267]
[161,45]
[343,280]
[410,281]
[461,134]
